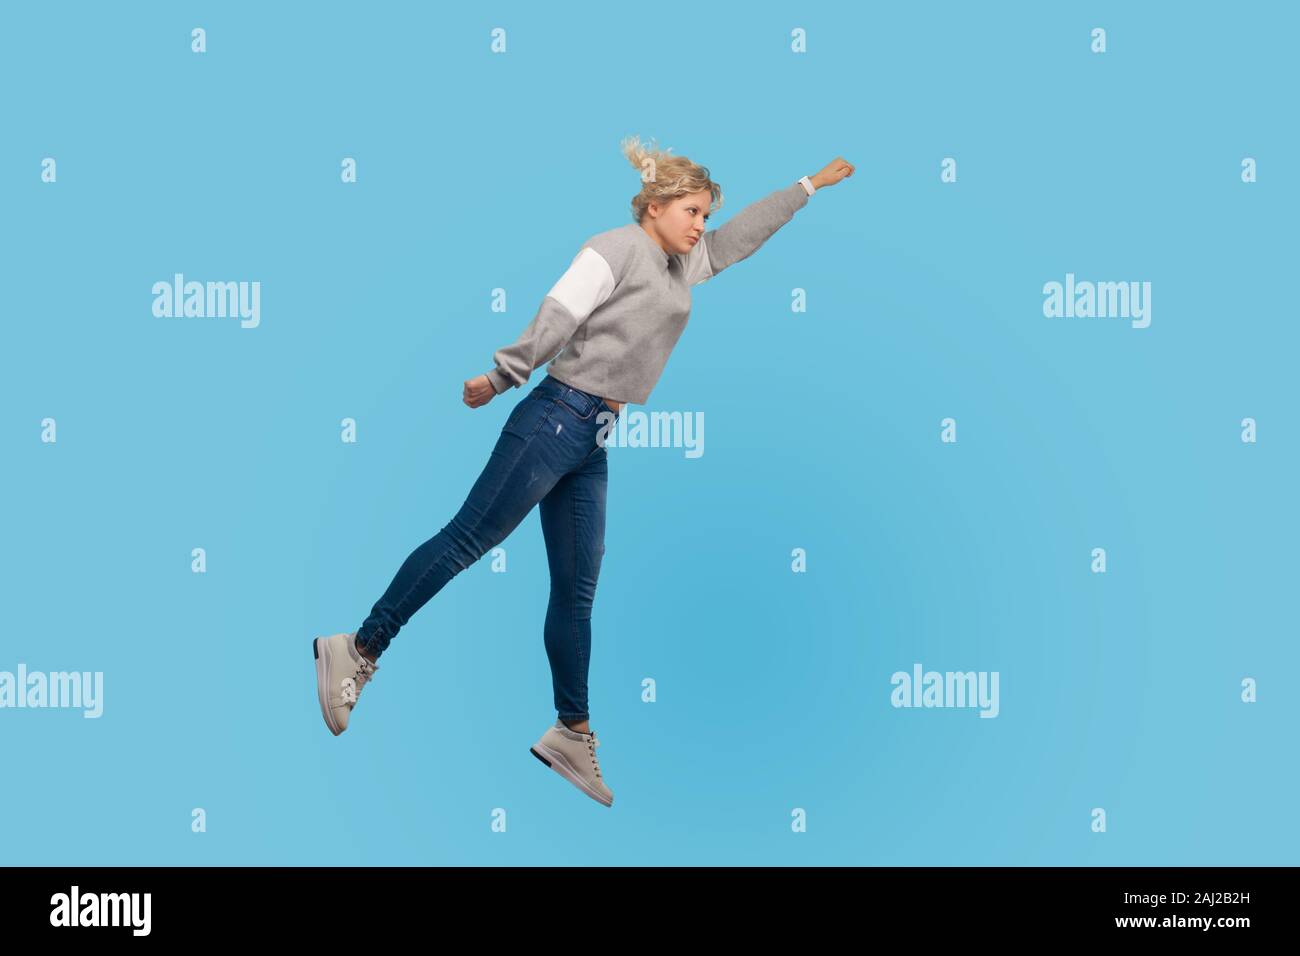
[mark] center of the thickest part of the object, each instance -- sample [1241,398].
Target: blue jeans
[547,454]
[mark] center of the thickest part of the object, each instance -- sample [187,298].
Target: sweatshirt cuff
[499,382]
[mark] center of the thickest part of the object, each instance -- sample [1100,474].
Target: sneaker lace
[362,676]
[592,744]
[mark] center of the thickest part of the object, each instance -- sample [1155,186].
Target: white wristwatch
[806,183]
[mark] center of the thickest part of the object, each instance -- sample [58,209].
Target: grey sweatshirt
[615,315]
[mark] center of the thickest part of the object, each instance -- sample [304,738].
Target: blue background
[477,171]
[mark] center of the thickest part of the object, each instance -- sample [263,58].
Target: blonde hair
[669,177]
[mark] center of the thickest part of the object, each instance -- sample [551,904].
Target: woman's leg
[517,476]
[573,522]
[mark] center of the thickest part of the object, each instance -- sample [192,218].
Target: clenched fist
[478,391]
[835,170]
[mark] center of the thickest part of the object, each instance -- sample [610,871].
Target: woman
[607,328]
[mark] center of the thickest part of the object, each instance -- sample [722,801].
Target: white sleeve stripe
[588,282]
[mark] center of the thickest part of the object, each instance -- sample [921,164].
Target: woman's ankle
[368,655]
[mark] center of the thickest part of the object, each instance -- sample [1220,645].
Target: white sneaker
[573,756]
[341,673]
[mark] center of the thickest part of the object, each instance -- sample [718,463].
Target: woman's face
[680,225]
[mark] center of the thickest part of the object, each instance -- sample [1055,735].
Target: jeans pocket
[582,405]
[528,416]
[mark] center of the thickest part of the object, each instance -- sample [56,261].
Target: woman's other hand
[478,391]
[836,170]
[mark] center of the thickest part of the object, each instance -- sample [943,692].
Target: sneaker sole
[556,762]
[322,691]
